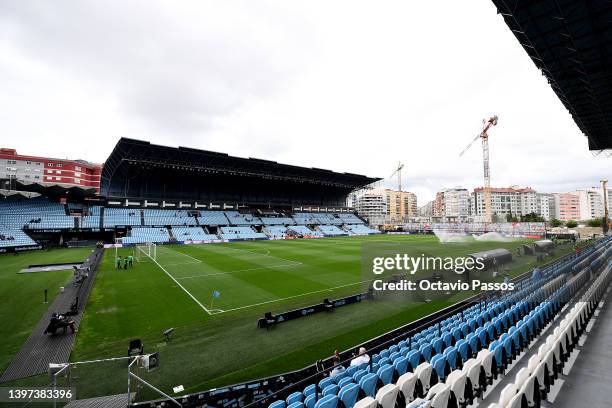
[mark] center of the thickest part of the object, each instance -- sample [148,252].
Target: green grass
[224,346]
[22,294]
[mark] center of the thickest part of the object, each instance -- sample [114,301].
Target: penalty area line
[295,296]
[182,287]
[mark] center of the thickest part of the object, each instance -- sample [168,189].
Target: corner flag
[215,295]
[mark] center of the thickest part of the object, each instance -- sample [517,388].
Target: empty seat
[387,395]
[348,395]
[406,384]
[439,395]
[328,401]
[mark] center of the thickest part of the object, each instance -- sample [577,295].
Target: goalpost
[146,252]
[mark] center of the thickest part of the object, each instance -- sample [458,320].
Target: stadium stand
[236,218]
[231,233]
[331,231]
[277,221]
[304,231]
[276,232]
[360,229]
[143,235]
[92,220]
[305,218]
[36,214]
[156,217]
[350,218]
[192,234]
[213,218]
[10,238]
[114,217]
[455,361]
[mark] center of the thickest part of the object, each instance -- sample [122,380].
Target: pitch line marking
[293,297]
[182,287]
[260,254]
[241,270]
[184,254]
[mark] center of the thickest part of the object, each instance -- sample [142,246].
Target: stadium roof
[570,41]
[184,158]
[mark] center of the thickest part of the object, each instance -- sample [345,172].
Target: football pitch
[216,341]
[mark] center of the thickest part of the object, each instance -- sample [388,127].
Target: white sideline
[181,286]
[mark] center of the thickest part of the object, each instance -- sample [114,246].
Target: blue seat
[464,349]
[456,334]
[348,395]
[385,374]
[393,349]
[295,397]
[375,358]
[490,330]
[438,362]
[437,344]
[358,375]
[447,338]
[414,359]
[277,404]
[330,390]
[310,390]
[384,353]
[401,366]
[450,353]
[384,361]
[508,347]
[297,404]
[481,333]
[465,329]
[339,376]
[394,356]
[368,384]
[351,370]
[345,381]
[425,351]
[328,401]
[325,382]
[498,353]
[472,340]
[310,401]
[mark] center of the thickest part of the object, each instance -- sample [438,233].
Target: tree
[595,222]
[532,217]
[571,224]
[556,223]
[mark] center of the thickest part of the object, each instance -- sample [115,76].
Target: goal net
[146,252]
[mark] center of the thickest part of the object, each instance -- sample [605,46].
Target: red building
[49,171]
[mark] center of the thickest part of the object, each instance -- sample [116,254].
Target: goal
[146,252]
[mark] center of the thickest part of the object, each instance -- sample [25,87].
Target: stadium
[175,276]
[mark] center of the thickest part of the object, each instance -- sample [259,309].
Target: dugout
[544,245]
[493,257]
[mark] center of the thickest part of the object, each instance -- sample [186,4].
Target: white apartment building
[591,203]
[511,200]
[453,204]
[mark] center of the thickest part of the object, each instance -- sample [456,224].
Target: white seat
[367,402]
[486,361]
[439,395]
[457,381]
[387,395]
[420,403]
[406,384]
[515,402]
[423,373]
[521,377]
[528,390]
[506,395]
[472,370]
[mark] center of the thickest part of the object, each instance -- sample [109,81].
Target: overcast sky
[346,85]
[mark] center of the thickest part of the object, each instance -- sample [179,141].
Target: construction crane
[398,171]
[486,125]
[606,222]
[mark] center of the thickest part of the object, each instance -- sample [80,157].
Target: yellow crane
[486,125]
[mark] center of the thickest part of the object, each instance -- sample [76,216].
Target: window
[11,161]
[50,164]
[77,181]
[27,176]
[77,174]
[38,163]
[59,164]
[57,178]
[37,177]
[58,171]
[77,168]
[28,162]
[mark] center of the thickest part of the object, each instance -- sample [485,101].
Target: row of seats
[192,234]
[240,233]
[10,238]
[474,345]
[168,217]
[331,231]
[142,235]
[277,221]
[304,231]
[360,229]
[276,232]
[532,382]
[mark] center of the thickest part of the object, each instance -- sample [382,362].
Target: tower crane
[398,171]
[486,125]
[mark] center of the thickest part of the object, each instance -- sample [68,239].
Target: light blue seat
[310,390]
[325,382]
[447,338]
[345,381]
[437,345]
[358,375]
[339,376]
[294,397]
[456,334]
[351,370]
[463,348]
[297,404]
[310,401]
[450,353]
[438,362]
[385,374]
[394,356]
[414,359]
[368,384]
[348,395]
[331,389]
[426,350]
[277,404]
[401,366]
